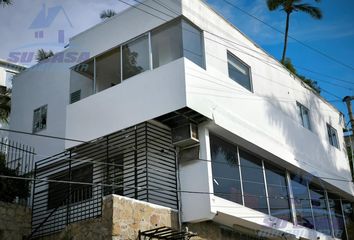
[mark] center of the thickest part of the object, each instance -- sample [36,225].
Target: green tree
[5,2]
[105,14]
[43,54]
[290,6]
[313,84]
[5,104]
[10,188]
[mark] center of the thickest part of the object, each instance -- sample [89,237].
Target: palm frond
[5,2]
[107,14]
[275,4]
[5,104]
[42,54]
[314,12]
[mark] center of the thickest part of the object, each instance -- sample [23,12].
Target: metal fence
[18,156]
[138,162]
[18,162]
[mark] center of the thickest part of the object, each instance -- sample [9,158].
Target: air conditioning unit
[185,135]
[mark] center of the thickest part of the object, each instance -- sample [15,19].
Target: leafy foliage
[313,84]
[11,188]
[105,14]
[5,104]
[42,55]
[290,6]
[5,2]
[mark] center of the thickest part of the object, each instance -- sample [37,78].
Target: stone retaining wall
[121,219]
[15,221]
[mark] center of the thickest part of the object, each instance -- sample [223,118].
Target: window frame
[301,109]
[229,53]
[34,121]
[330,131]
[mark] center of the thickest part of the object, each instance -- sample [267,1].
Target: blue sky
[333,35]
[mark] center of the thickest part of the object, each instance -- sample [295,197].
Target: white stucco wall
[135,100]
[44,84]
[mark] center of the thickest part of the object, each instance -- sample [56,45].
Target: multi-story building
[247,146]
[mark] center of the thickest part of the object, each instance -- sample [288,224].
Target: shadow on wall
[309,149]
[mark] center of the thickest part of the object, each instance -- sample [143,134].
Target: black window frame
[333,136]
[230,54]
[40,122]
[302,108]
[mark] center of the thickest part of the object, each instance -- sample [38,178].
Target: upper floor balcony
[151,50]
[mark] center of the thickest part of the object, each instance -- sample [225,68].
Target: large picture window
[225,165]
[244,178]
[171,41]
[337,216]
[166,44]
[302,202]
[253,182]
[320,210]
[279,202]
[108,72]
[136,57]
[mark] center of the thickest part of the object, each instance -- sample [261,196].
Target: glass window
[253,182]
[304,116]
[332,135]
[136,57]
[320,210]
[349,218]
[302,202]
[166,44]
[192,43]
[225,167]
[40,119]
[82,78]
[238,71]
[278,193]
[108,70]
[337,216]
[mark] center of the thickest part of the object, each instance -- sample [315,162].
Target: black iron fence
[138,162]
[17,164]
[17,156]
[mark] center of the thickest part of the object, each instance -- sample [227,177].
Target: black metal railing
[138,162]
[17,163]
[19,157]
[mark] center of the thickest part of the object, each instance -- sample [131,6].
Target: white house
[258,150]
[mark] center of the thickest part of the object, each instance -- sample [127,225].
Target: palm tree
[5,2]
[5,104]
[42,54]
[290,6]
[105,14]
